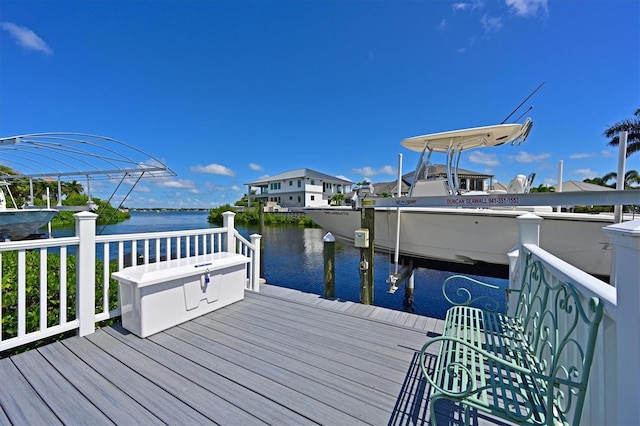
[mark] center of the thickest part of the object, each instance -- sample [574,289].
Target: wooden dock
[280,357]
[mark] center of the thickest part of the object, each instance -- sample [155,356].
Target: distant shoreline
[166,209]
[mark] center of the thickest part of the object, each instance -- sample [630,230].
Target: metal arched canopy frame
[60,154]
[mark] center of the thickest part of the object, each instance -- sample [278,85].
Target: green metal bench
[528,368]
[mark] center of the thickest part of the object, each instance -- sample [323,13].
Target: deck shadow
[412,405]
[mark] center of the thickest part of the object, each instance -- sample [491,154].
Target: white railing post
[529,228]
[529,225]
[625,238]
[228,222]
[86,272]
[255,265]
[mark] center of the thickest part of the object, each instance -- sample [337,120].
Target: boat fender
[364,265]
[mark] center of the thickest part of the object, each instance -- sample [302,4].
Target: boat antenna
[523,114]
[522,103]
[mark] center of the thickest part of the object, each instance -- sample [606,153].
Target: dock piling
[329,249]
[367,221]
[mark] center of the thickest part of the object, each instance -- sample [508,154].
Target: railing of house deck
[613,392]
[94,297]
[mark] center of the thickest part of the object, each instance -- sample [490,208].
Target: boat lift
[57,155]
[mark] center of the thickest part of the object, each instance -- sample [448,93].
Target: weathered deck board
[279,357]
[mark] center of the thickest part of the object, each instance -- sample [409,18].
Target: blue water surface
[293,258]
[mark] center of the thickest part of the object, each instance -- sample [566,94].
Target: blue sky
[226,92]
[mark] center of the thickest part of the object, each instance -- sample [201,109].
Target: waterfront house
[474,181]
[297,188]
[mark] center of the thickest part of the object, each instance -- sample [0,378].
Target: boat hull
[476,237]
[18,224]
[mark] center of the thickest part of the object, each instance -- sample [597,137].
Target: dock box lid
[168,270]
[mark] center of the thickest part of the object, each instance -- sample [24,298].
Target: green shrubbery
[107,214]
[252,217]
[33,291]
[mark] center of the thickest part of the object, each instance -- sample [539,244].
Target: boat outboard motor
[360,192]
[517,185]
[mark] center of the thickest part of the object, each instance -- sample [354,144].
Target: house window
[275,185]
[313,182]
[290,183]
[477,184]
[299,200]
[313,197]
[290,198]
[299,183]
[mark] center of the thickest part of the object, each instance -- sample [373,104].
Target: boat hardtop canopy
[461,140]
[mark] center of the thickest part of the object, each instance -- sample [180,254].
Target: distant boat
[18,224]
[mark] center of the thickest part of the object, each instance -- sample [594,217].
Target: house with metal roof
[297,188]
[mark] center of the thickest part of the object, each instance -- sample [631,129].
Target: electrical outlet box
[362,238]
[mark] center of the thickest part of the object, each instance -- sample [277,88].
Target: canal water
[293,258]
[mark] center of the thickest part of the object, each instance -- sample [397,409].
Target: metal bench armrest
[486,295]
[461,367]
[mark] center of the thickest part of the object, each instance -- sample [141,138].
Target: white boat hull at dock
[476,237]
[17,224]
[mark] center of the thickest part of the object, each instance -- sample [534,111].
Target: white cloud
[179,183]
[527,7]
[214,169]
[256,167]
[484,159]
[525,157]
[26,38]
[606,154]
[581,155]
[477,4]
[370,171]
[142,188]
[490,24]
[442,25]
[237,188]
[365,171]
[585,173]
[388,170]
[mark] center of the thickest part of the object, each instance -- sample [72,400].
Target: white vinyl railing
[79,308]
[613,395]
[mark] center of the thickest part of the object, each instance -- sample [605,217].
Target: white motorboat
[18,224]
[471,239]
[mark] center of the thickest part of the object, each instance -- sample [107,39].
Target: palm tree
[337,199]
[632,125]
[74,187]
[543,188]
[631,179]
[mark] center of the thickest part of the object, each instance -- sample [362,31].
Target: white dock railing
[92,259]
[613,395]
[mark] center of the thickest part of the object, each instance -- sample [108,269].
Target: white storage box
[160,295]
